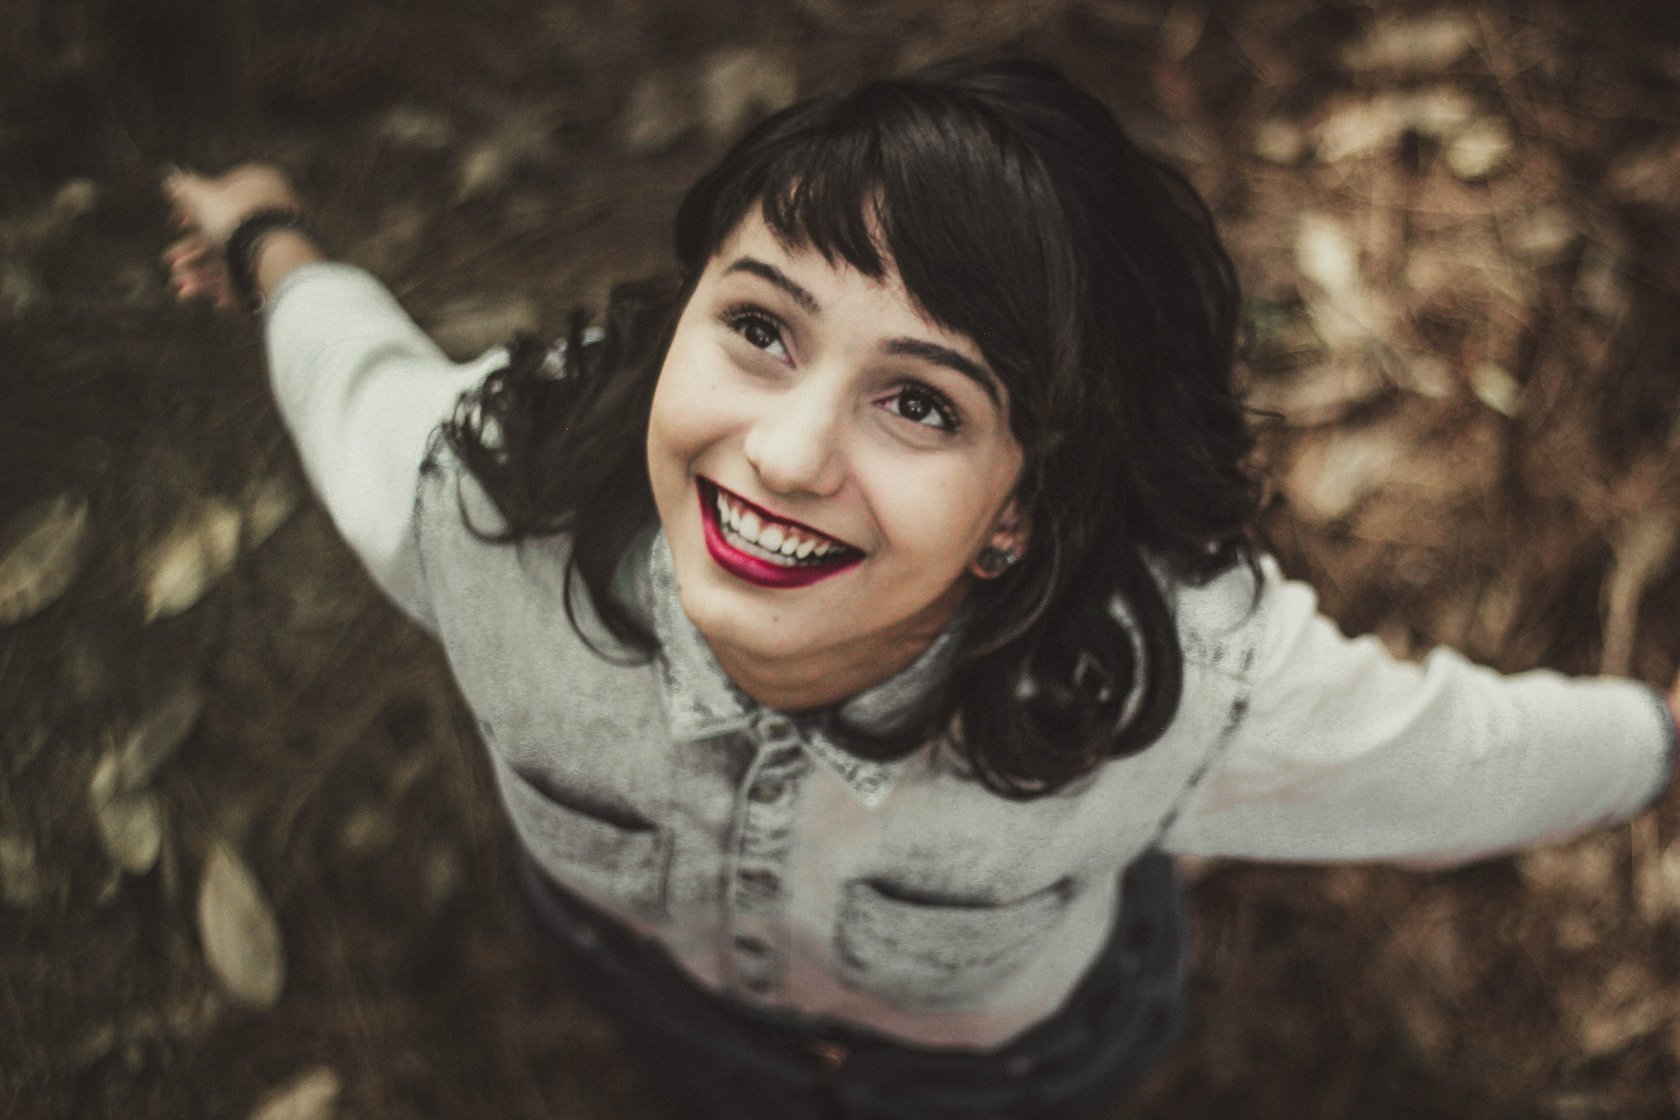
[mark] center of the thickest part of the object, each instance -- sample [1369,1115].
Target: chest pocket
[609,856]
[930,954]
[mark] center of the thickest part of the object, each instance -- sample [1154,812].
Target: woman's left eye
[923,405]
[760,330]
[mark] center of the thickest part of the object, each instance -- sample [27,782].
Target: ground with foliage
[251,863]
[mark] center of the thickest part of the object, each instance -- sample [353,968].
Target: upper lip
[768,515]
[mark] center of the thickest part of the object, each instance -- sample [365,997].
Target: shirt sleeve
[1342,752]
[361,388]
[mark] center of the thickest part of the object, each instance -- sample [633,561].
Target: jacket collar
[702,702]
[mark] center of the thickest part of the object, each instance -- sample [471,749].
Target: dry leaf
[1342,309]
[201,550]
[1613,1012]
[1585,869]
[158,736]
[660,112]
[1541,237]
[20,877]
[1325,254]
[1479,150]
[484,169]
[1650,176]
[522,137]
[1369,125]
[74,199]
[738,85]
[273,500]
[1424,44]
[441,880]
[1321,395]
[20,288]
[240,937]
[1495,387]
[1643,550]
[40,554]
[1334,474]
[1656,873]
[1279,141]
[130,822]
[1601,283]
[312,1095]
[411,126]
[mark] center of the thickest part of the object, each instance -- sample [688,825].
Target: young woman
[858,625]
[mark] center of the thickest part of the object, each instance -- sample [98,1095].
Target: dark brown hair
[1018,213]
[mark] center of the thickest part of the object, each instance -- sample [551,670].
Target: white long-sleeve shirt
[778,869]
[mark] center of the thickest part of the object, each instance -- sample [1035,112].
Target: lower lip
[756,570]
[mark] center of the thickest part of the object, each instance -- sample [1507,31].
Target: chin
[738,617]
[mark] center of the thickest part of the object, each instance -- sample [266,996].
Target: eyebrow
[949,358]
[918,348]
[782,280]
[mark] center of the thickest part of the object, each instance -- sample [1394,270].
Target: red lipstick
[755,569]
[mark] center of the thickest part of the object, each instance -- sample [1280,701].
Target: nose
[795,443]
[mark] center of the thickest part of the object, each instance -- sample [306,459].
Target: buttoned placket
[756,894]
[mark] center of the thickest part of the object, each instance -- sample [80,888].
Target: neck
[797,688]
[824,678]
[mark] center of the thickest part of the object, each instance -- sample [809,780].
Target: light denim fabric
[903,897]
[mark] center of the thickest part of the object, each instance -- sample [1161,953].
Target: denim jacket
[903,897]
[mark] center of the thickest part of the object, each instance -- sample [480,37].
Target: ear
[1011,531]
[1006,544]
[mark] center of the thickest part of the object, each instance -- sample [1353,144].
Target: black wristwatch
[242,245]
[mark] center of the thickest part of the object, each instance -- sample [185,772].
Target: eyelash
[940,402]
[739,316]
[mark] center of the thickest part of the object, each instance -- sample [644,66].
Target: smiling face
[827,463]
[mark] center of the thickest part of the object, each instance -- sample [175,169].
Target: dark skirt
[717,1058]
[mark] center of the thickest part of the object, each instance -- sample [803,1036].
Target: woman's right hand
[208,208]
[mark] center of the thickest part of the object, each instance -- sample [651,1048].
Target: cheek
[683,418]
[939,519]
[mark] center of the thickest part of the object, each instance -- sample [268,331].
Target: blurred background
[251,864]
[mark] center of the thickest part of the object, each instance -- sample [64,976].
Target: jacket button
[761,877]
[828,1053]
[772,728]
[750,946]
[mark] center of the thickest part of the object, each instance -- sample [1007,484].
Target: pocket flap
[617,860]
[917,951]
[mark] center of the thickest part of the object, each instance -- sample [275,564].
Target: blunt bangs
[1017,213]
[907,177]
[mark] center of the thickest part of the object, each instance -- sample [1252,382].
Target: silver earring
[993,562]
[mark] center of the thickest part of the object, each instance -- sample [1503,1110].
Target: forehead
[834,286]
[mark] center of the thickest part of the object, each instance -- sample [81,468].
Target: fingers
[183,189]
[185,250]
[196,269]
[197,272]
[208,282]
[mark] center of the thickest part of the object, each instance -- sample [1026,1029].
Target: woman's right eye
[760,330]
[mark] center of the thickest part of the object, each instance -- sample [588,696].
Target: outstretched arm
[360,386]
[1338,751]
[209,209]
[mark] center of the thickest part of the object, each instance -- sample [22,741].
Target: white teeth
[775,541]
